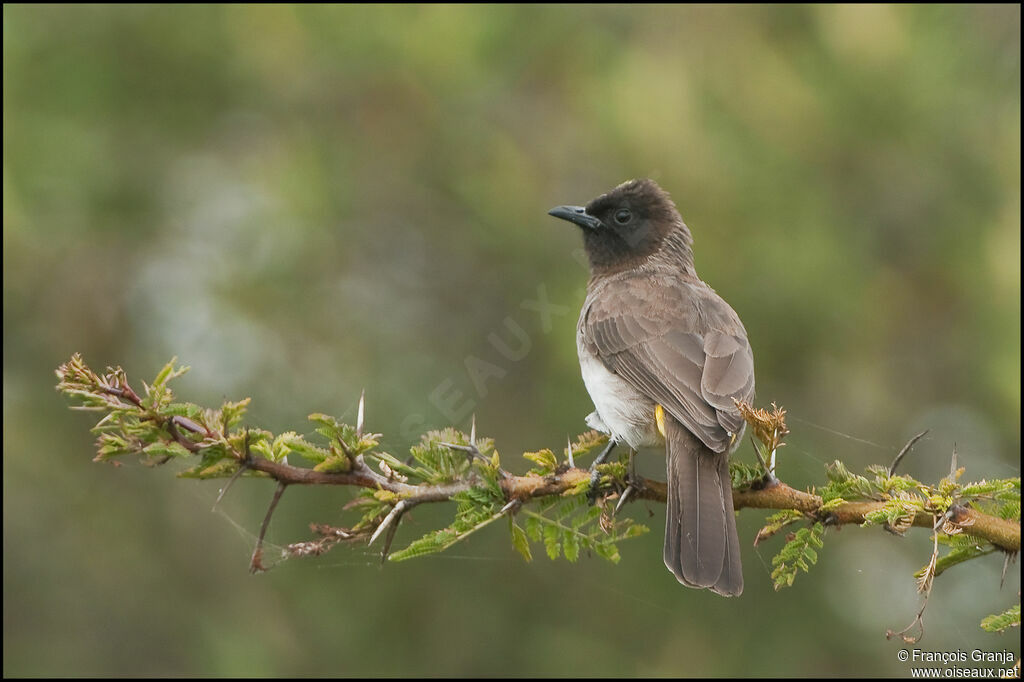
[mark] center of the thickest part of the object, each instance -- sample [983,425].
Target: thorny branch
[1000,532]
[768,493]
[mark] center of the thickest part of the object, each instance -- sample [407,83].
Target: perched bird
[662,356]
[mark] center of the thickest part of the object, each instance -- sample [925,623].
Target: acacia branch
[1000,532]
[157,427]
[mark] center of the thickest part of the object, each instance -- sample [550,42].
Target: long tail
[702,548]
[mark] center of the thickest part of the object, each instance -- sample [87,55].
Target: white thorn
[395,511]
[508,506]
[622,500]
[472,432]
[572,462]
[359,414]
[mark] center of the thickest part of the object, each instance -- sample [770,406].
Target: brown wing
[679,343]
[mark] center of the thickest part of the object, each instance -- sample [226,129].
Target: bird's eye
[623,216]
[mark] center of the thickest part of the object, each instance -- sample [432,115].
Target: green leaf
[440,463]
[476,509]
[519,540]
[797,554]
[396,464]
[114,445]
[544,458]
[744,475]
[168,372]
[551,544]
[958,555]
[843,483]
[373,509]
[571,546]
[635,530]
[533,528]
[233,412]
[190,410]
[897,513]
[1002,621]
[776,522]
[290,441]
[333,465]
[609,551]
[222,468]
[1009,510]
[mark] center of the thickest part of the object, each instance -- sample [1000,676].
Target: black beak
[576,214]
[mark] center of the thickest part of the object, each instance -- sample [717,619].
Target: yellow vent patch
[659,417]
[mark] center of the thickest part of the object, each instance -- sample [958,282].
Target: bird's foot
[595,475]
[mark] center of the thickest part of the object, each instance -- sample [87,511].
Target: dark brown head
[628,225]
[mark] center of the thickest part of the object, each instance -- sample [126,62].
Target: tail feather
[730,583]
[701,544]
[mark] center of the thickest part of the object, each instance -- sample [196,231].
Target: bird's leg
[604,454]
[595,475]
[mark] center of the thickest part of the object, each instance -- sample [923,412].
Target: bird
[663,357]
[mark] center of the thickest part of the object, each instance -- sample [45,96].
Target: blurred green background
[302,202]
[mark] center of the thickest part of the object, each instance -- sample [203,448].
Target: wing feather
[678,342]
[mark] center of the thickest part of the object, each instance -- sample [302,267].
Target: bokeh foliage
[301,202]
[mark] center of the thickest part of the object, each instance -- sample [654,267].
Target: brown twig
[925,583]
[905,450]
[256,564]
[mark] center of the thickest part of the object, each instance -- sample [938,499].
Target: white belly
[622,411]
